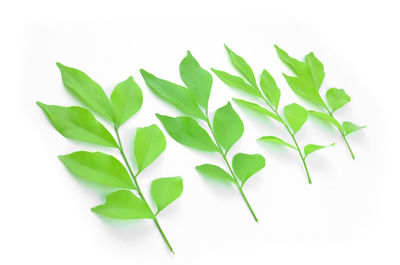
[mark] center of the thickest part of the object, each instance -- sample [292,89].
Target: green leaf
[124,204]
[316,69]
[236,82]
[149,144]
[177,95]
[126,100]
[87,91]
[337,98]
[270,89]
[246,165]
[350,127]
[327,118]
[276,140]
[296,116]
[241,66]
[304,89]
[310,148]
[166,190]
[198,80]
[228,127]
[188,132]
[79,124]
[257,108]
[215,173]
[301,69]
[98,168]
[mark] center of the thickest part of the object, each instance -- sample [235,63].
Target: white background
[349,215]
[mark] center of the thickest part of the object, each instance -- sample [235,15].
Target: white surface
[350,215]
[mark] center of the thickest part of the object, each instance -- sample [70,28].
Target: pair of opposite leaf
[225,129]
[294,115]
[80,124]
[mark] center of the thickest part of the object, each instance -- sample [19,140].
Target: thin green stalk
[230,169]
[133,176]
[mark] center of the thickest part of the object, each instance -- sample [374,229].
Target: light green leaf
[316,69]
[126,100]
[98,168]
[257,108]
[166,190]
[236,82]
[270,89]
[188,132]
[198,80]
[177,95]
[79,124]
[215,173]
[246,165]
[350,127]
[149,144]
[301,69]
[327,118]
[228,127]
[296,116]
[276,140]
[87,91]
[337,98]
[310,148]
[241,66]
[123,204]
[304,89]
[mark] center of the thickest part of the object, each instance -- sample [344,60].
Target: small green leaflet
[296,116]
[246,165]
[78,124]
[257,108]
[310,148]
[166,190]
[327,118]
[350,127]
[304,89]
[126,100]
[316,69]
[215,173]
[187,131]
[236,82]
[87,91]
[276,140]
[270,89]
[337,98]
[124,204]
[196,79]
[228,126]
[299,68]
[98,168]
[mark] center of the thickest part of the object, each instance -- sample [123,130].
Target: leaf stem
[133,176]
[223,154]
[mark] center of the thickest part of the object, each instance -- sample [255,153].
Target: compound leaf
[241,66]
[337,98]
[270,89]
[198,80]
[310,148]
[296,116]
[126,100]
[215,173]
[246,165]
[98,167]
[123,204]
[257,108]
[166,190]
[149,144]
[276,140]
[350,127]
[187,131]
[177,95]
[79,124]
[316,69]
[236,82]
[228,126]
[86,90]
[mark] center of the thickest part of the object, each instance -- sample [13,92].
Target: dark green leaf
[327,118]
[166,190]
[337,98]
[124,204]
[228,127]
[296,116]
[99,168]
[188,132]
[350,127]
[79,124]
[270,89]
[304,89]
[276,140]
[246,165]
[257,108]
[126,100]
[87,91]
[198,80]
[310,148]
[177,95]
[236,82]
[215,173]
[241,66]
[316,69]
[149,144]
